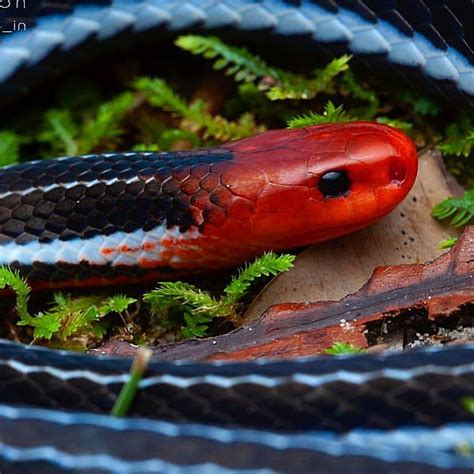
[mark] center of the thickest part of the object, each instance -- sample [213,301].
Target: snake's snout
[397,170]
[404,166]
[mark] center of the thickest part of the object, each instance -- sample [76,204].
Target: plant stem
[129,390]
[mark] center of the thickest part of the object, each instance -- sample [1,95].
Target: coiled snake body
[429,42]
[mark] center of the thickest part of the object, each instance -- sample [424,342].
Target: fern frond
[247,67]
[331,114]
[70,316]
[266,265]
[12,279]
[180,293]
[44,325]
[331,70]
[300,87]
[198,308]
[60,131]
[461,210]
[65,319]
[458,146]
[161,95]
[67,316]
[238,62]
[106,123]
[67,135]
[221,129]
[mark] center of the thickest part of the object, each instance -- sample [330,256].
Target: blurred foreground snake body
[123,217]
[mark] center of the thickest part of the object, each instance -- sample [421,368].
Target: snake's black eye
[334,183]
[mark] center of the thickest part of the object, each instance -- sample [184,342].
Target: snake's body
[420,41]
[124,217]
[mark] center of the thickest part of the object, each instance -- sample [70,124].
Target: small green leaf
[268,264]
[461,210]
[342,348]
[116,304]
[447,243]
[44,325]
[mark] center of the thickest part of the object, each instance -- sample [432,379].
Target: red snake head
[296,187]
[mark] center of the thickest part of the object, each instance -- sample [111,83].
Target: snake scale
[317,415]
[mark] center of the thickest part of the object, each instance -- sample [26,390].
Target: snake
[60,226]
[119,218]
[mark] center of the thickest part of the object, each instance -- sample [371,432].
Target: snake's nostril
[398,170]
